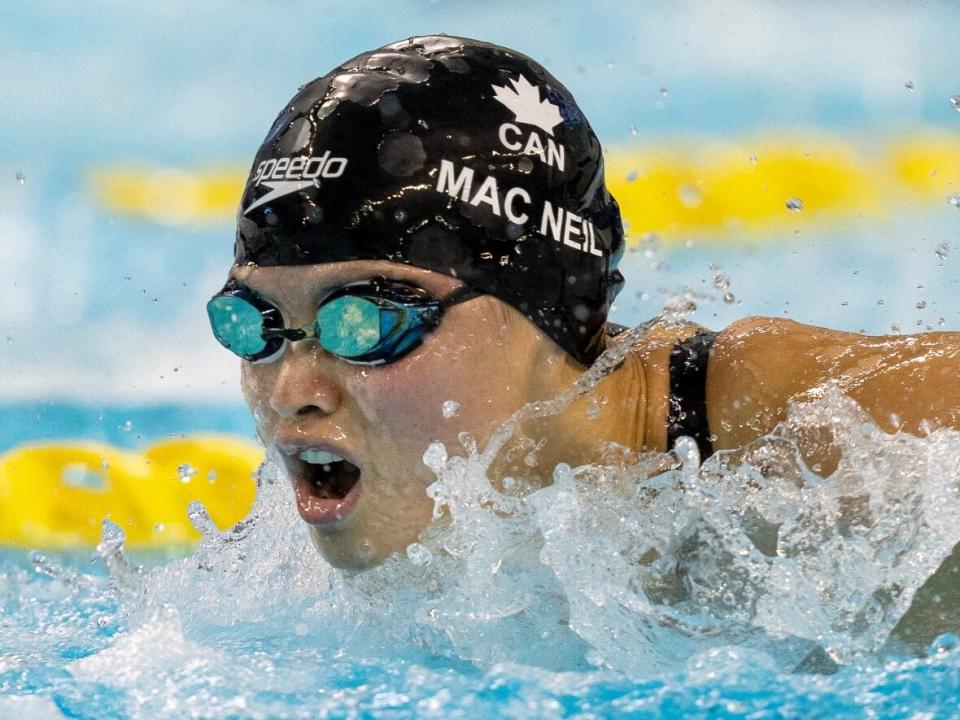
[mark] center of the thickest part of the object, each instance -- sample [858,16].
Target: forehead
[292,284]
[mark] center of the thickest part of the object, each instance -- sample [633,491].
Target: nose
[305,382]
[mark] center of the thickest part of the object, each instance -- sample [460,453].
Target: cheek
[256,383]
[406,402]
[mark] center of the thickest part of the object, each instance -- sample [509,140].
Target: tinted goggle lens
[238,325]
[352,326]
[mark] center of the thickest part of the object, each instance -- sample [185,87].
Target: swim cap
[453,155]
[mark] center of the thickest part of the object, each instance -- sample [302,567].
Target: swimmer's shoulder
[653,352]
[759,364]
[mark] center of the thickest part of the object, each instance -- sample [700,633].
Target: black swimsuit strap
[687,411]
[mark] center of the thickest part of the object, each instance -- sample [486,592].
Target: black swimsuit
[687,411]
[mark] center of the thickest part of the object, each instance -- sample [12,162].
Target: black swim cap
[453,155]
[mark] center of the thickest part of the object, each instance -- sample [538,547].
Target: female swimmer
[428,223]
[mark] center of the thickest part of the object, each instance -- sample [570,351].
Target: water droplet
[200,519]
[450,408]
[943,249]
[159,527]
[21,177]
[941,321]
[185,471]
[631,176]
[633,131]
[127,426]
[879,302]
[908,84]
[921,304]
[419,554]
[729,298]
[955,101]
[895,328]
[753,159]
[945,643]
[689,195]
[400,215]
[954,200]
[664,92]
[794,204]
[649,244]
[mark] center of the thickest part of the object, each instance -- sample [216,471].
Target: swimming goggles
[371,322]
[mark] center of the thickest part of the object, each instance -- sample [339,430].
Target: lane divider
[54,495]
[717,188]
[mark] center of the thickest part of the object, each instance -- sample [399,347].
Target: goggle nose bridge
[309,330]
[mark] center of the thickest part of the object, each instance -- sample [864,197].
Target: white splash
[641,565]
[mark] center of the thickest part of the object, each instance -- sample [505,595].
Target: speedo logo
[289,174]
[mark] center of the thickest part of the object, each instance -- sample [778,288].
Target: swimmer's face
[484,355]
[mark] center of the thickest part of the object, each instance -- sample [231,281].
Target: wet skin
[491,360]
[484,355]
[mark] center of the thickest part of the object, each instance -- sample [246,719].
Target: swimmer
[429,222]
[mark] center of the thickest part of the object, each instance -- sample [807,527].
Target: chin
[345,552]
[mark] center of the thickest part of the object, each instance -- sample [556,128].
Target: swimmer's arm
[907,383]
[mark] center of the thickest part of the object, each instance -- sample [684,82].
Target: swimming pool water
[543,606]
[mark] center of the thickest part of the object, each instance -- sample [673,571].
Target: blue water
[545,611]
[64,613]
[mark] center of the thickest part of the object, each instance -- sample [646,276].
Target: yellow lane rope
[55,495]
[681,187]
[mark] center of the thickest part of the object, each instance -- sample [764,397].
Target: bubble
[943,249]
[895,328]
[525,164]
[921,304]
[729,298]
[127,426]
[20,177]
[400,215]
[450,408]
[954,200]
[753,159]
[908,84]
[955,102]
[794,204]
[631,176]
[185,472]
[664,92]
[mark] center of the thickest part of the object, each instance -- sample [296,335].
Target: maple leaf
[524,100]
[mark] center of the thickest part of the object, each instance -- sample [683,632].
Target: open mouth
[330,477]
[326,484]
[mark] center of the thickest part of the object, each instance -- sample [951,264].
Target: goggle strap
[460,295]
